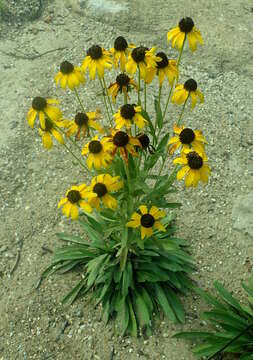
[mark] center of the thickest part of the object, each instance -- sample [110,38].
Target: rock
[242,214]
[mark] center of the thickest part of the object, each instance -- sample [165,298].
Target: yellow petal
[182,172]
[74,212]
[159,226]
[189,178]
[194,98]
[31,116]
[192,41]
[62,202]
[57,136]
[85,206]
[143,209]
[146,232]
[47,140]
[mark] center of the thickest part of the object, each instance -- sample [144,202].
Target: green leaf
[147,299]
[72,238]
[141,310]
[72,295]
[117,274]
[193,335]
[73,252]
[163,143]
[207,349]
[163,302]
[123,257]
[151,127]
[159,116]
[123,317]
[127,280]
[93,234]
[226,317]
[132,327]
[93,268]
[175,304]
[131,167]
[227,296]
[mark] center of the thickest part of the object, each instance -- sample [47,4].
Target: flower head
[69,75]
[75,199]
[147,220]
[82,123]
[120,52]
[50,130]
[185,29]
[102,186]
[183,91]
[187,138]
[145,143]
[123,142]
[99,153]
[128,115]
[194,167]
[143,58]
[166,68]
[123,84]
[97,60]
[40,107]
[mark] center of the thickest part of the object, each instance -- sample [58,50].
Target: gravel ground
[34,325]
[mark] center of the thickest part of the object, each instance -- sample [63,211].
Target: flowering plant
[133,264]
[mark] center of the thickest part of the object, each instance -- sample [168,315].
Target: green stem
[105,103]
[71,152]
[159,94]
[180,117]
[178,63]
[145,96]
[108,96]
[79,100]
[125,98]
[139,86]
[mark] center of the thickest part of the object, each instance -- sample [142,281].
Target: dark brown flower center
[120,138]
[186,25]
[122,80]
[147,220]
[187,136]
[66,67]
[100,189]
[144,140]
[95,147]
[81,119]
[120,44]
[190,85]
[138,54]
[95,52]
[165,62]
[74,196]
[39,103]
[127,111]
[194,160]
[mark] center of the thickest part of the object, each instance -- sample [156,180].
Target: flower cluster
[109,147]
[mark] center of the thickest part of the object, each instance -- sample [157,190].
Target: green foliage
[150,282]
[233,323]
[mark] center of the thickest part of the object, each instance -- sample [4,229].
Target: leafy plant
[233,323]
[150,283]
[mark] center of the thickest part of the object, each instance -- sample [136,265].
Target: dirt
[34,324]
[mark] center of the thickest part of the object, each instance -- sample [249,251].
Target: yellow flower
[187,138]
[194,167]
[146,220]
[97,60]
[120,52]
[164,68]
[123,84]
[128,115]
[82,123]
[182,92]
[69,75]
[75,198]
[40,106]
[123,142]
[184,29]
[101,186]
[99,153]
[143,58]
[50,130]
